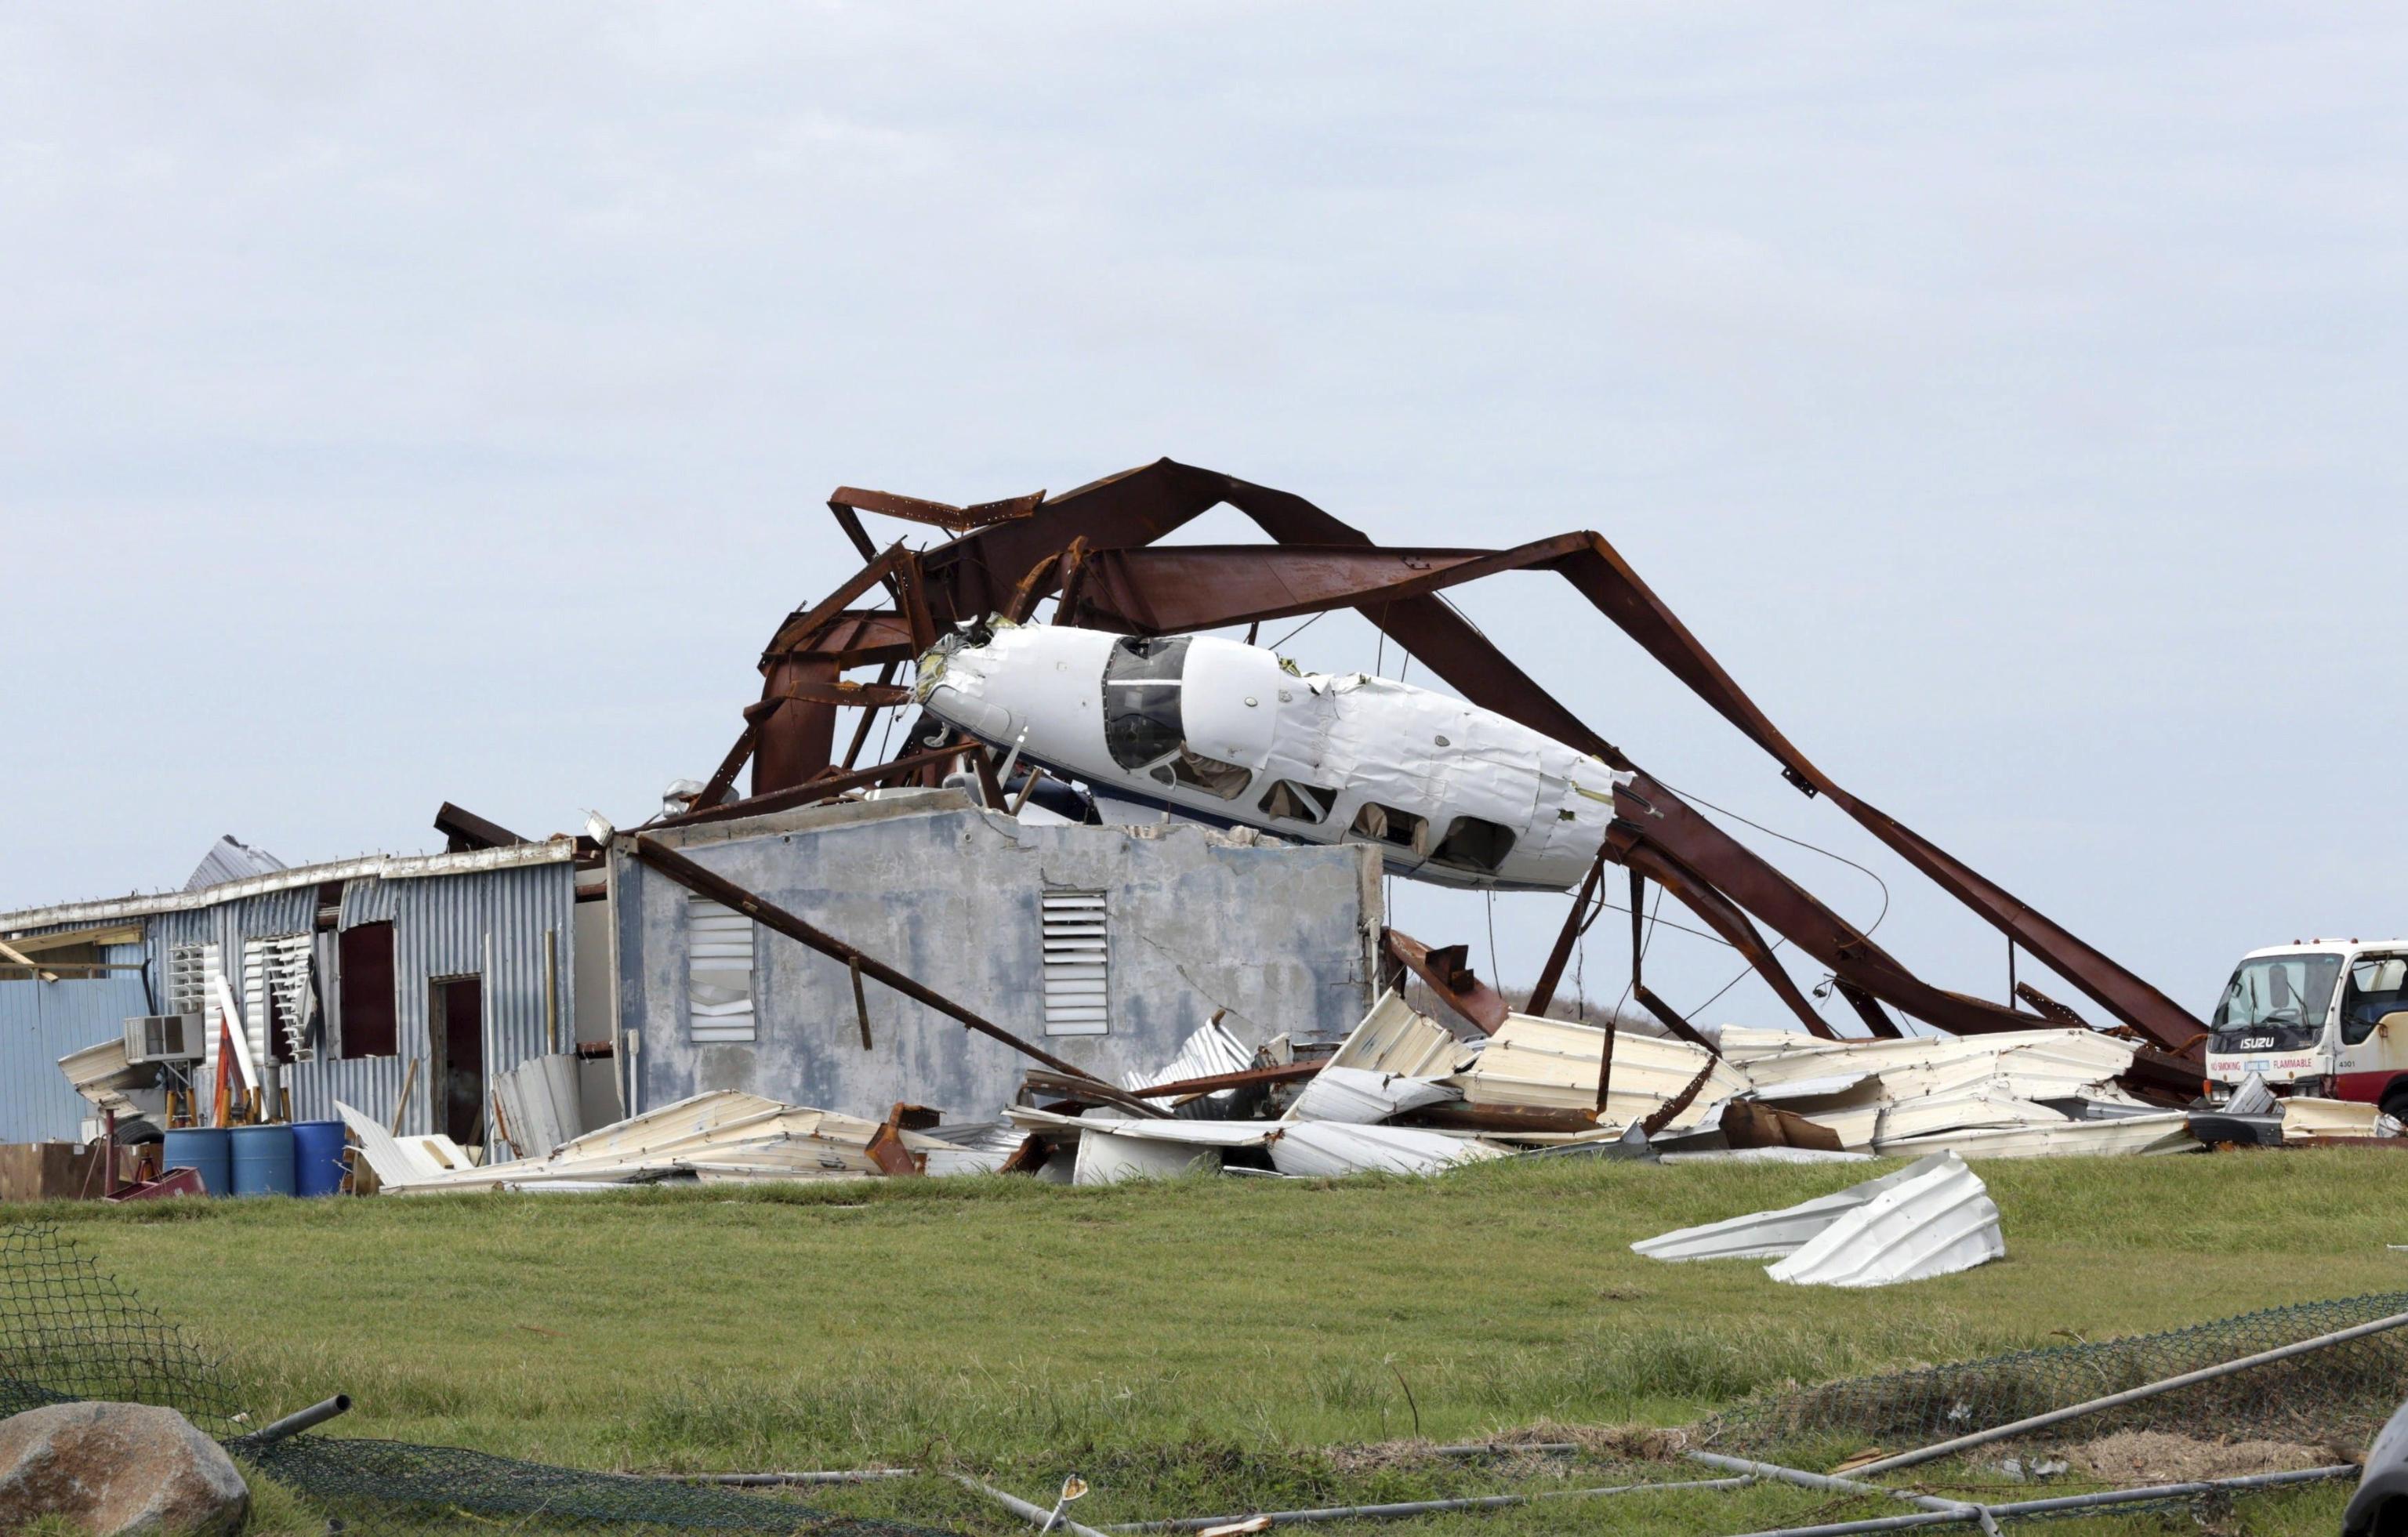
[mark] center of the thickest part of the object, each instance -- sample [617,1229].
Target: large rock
[118,1468]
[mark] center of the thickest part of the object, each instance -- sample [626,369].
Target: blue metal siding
[43,1021]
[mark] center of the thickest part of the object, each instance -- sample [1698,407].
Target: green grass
[1189,1346]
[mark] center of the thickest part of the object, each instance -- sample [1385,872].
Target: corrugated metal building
[462,964]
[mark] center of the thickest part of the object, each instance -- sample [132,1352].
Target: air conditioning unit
[164,1037]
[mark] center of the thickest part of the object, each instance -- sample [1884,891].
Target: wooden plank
[33,944]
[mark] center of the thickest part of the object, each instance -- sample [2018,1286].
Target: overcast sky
[403,404]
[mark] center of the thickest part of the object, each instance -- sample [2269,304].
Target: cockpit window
[1471,843]
[1387,824]
[1141,719]
[1308,803]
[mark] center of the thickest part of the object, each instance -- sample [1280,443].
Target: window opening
[1210,775]
[1474,844]
[1387,824]
[1295,802]
[364,989]
[2378,986]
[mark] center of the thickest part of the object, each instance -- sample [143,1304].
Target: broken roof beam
[944,515]
[827,786]
[467,831]
[1447,973]
[704,882]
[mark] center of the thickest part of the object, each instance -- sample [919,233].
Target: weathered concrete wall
[1278,936]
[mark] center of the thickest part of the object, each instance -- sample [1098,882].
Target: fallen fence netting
[68,1331]
[2334,1396]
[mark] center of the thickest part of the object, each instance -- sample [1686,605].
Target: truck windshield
[2291,991]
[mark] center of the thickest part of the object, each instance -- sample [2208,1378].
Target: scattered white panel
[1937,1223]
[1358,1097]
[1771,1235]
[1107,1159]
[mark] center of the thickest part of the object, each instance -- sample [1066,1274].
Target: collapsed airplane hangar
[648,960]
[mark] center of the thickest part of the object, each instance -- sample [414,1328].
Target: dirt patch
[1516,1448]
[2158,1457]
[1617,1443]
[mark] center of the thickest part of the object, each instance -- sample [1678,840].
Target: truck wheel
[2395,1104]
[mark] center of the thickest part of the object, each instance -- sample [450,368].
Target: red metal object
[175,1182]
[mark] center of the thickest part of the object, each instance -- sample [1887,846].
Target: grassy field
[1192,1348]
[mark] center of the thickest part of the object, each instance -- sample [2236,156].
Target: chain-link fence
[2333,1397]
[69,1331]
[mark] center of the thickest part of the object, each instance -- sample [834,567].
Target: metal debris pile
[1402,1095]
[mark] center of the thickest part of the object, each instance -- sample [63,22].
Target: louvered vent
[719,972]
[277,968]
[1078,963]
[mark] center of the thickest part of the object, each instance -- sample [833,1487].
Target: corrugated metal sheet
[41,1022]
[488,923]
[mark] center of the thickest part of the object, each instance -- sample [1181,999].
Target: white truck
[2326,1017]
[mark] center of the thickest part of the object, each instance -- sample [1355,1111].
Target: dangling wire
[1299,629]
[1646,937]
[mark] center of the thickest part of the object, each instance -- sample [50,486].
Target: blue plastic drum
[206,1148]
[316,1158]
[262,1160]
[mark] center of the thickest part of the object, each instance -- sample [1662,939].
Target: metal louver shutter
[1078,966]
[275,968]
[718,973]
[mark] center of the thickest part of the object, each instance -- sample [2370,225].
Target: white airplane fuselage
[1221,732]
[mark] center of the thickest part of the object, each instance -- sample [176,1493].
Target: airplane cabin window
[1210,775]
[1141,718]
[1387,824]
[1474,844]
[1298,802]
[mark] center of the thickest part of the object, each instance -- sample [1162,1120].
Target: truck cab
[2321,1016]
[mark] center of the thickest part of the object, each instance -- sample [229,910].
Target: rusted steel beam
[722,779]
[1656,819]
[1661,1117]
[1246,1078]
[860,637]
[953,519]
[1457,1115]
[467,830]
[825,787]
[1093,1091]
[1072,582]
[843,694]
[1574,927]
[2047,1006]
[806,622]
[1171,589]
[708,883]
[1629,844]
[1447,973]
[1868,1009]
[1671,1018]
[861,730]
[1031,591]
